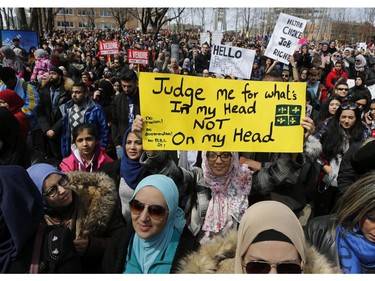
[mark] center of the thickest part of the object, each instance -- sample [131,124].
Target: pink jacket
[74,163]
[42,66]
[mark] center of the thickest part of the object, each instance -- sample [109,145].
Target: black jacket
[114,260]
[320,234]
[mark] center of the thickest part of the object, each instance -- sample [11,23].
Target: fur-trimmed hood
[97,201]
[218,257]
[68,83]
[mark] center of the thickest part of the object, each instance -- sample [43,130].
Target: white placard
[228,60]
[284,40]
[216,38]
[205,37]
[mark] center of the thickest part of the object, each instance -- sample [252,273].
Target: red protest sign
[108,47]
[138,56]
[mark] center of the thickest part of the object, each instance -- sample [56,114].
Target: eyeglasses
[265,267]
[343,89]
[336,55]
[225,156]
[52,191]
[156,212]
[350,106]
[283,75]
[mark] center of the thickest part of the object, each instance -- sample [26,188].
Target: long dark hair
[333,138]
[323,112]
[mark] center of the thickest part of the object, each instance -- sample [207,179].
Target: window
[65,11]
[85,12]
[82,24]
[105,13]
[68,24]
[104,25]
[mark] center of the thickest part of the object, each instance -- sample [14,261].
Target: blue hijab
[21,210]
[130,169]
[39,172]
[356,253]
[146,251]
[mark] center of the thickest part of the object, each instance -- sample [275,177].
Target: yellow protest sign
[195,113]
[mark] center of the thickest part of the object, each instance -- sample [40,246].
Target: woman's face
[85,143]
[358,81]
[368,229]
[62,198]
[304,75]
[133,147]
[372,110]
[347,119]
[219,163]
[144,225]
[272,252]
[333,106]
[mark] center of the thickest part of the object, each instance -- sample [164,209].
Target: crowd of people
[79,193]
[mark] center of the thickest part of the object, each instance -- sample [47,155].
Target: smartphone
[308,110]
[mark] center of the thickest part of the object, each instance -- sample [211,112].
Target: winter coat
[93,115]
[42,66]
[333,76]
[95,205]
[218,257]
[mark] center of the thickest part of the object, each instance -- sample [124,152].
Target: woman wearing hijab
[347,237]
[27,246]
[85,203]
[11,100]
[270,239]
[159,237]
[213,197]
[13,148]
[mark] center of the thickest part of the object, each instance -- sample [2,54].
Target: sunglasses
[156,212]
[343,89]
[283,75]
[265,267]
[350,106]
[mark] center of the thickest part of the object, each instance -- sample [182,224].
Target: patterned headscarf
[229,193]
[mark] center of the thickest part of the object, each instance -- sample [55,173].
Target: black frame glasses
[343,89]
[52,191]
[224,156]
[156,212]
[262,267]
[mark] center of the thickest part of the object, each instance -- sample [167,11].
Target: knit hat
[57,70]
[39,172]
[40,53]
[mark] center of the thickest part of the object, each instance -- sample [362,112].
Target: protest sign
[196,113]
[108,47]
[228,60]
[284,40]
[217,36]
[138,56]
[205,38]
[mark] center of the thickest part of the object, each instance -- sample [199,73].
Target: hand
[50,134]
[327,169]
[82,242]
[309,126]
[138,126]
[96,95]
[252,164]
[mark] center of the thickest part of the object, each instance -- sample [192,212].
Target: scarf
[362,64]
[267,215]
[130,169]
[146,251]
[354,250]
[229,194]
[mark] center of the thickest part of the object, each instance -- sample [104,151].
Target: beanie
[57,70]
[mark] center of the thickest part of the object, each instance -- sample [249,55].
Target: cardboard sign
[217,36]
[284,40]
[228,60]
[138,56]
[196,113]
[109,47]
[205,38]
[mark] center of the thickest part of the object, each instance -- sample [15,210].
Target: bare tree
[121,15]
